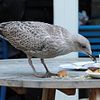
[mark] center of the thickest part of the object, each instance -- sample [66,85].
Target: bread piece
[97,71]
[62,73]
[94,69]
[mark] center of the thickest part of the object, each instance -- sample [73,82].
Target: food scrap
[94,69]
[62,73]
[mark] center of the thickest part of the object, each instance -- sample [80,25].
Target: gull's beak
[92,57]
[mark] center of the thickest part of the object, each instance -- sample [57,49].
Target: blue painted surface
[94,53]
[3,93]
[90,27]
[3,55]
[5,49]
[95,46]
[92,32]
[94,40]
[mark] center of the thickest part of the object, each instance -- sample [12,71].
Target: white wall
[62,96]
[66,15]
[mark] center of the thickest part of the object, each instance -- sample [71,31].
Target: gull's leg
[42,61]
[31,64]
[48,73]
[35,73]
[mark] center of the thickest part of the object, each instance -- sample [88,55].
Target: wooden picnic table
[18,73]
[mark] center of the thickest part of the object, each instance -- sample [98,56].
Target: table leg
[94,94]
[48,94]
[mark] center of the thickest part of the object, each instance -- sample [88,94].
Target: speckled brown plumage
[42,40]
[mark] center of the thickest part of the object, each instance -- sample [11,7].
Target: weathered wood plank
[94,94]
[18,73]
[48,94]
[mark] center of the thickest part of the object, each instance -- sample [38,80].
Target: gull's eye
[83,46]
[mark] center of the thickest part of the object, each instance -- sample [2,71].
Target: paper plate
[93,74]
[77,65]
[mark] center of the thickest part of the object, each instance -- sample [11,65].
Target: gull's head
[83,45]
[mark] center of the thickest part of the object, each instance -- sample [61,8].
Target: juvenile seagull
[43,40]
